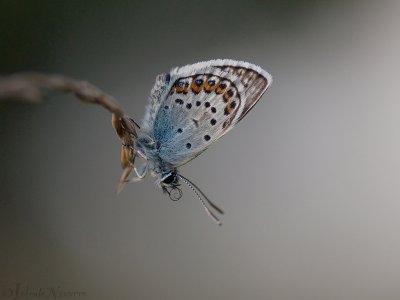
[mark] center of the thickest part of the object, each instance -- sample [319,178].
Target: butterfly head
[170,185]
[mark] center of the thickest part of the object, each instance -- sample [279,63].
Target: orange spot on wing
[221,88]
[228,95]
[210,85]
[182,87]
[196,87]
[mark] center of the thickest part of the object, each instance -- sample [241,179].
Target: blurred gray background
[309,180]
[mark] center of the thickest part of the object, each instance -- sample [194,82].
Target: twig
[29,87]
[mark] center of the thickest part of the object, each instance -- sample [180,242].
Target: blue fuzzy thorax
[151,150]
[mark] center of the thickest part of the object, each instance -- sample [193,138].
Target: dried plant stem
[29,87]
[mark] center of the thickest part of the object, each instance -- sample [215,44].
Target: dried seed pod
[127,156]
[124,179]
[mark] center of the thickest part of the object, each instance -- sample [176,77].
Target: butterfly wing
[193,106]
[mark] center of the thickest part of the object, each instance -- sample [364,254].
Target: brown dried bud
[124,179]
[127,156]
[116,123]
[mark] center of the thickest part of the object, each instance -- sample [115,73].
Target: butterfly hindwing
[193,106]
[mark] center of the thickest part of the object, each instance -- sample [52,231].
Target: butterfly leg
[124,178]
[141,172]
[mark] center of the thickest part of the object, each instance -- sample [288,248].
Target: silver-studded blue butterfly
[190,108]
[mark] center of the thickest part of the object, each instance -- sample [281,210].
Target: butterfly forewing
[255,82]
[197,104]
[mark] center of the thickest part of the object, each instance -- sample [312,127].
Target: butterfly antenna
[196,190]
[213,205]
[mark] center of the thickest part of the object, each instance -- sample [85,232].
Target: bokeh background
[309,180]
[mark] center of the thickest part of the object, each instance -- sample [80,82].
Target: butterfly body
[190,108]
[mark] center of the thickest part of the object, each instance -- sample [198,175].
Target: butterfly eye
[211,82]
[198,81]
[169,179]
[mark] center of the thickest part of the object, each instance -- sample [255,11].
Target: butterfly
[189,109]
